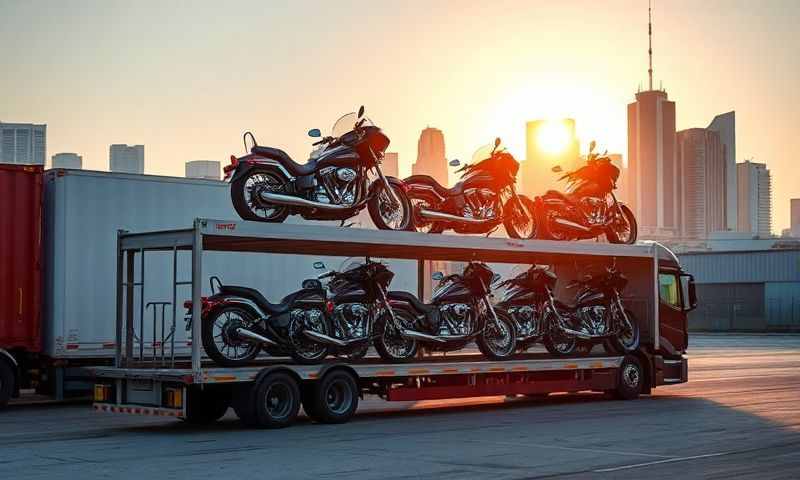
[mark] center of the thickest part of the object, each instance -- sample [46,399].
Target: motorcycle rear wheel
[547,229]
[244,192]
[306,351]
[220,340]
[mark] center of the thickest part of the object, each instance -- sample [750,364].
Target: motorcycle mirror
[361,111]
[496,142]
[556,169]
[314,133]
[438,276]
[454,162]
[319,266]
[592,144]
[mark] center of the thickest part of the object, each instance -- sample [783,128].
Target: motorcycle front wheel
[220,340]
[555,341]
[498,341]
[623,230]
[628,338]
[245,195]
[385,214]
[520,220]
[391,346]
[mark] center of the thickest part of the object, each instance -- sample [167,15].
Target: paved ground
[738,417]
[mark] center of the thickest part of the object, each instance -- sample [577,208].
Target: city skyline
[131,87]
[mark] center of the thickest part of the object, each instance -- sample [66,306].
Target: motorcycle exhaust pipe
[322,338]
[575,333]
[434,215]
[421,336]
[575,226]
[242,332]
[280,199]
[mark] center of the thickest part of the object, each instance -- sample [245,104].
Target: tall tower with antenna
[654,174]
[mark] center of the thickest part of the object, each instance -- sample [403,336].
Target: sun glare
[553,137]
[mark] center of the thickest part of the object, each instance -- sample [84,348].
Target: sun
[553,137]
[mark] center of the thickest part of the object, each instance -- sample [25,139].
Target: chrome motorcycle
[483,199]
[589,208]
[268,186]
[460,311]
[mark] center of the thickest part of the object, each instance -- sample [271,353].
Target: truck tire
[206,406]
[243,403]
[7,382]
[630,382]
[277,400]
[335,397]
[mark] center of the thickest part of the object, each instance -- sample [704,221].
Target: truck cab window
[668,288]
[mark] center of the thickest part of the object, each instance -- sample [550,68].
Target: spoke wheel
[392,346]
[520,219]
[498,340]
[624,229]
[420,224]
[246,196]
[305,350]
[386,214]
[222,343]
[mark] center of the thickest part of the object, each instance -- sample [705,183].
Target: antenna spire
[650,43]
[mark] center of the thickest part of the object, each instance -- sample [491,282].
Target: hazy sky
[187,78]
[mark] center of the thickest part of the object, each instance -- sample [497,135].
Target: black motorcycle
[268,186]
[589,208]
[483,199]
[461,311]
[307,325]
[597,316]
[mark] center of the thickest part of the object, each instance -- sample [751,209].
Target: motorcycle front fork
[386,185]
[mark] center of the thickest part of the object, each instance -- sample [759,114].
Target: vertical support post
[129,294]
[421,280]
[656,301]
[197,290]
[174,304]
[141,305]
[120,292]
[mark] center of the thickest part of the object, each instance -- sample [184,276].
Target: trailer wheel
[7,382]
[631,379]
[206,406]
[277,400]
[335,397]
[243,403]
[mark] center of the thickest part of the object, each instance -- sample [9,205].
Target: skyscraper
[67,160]
[430,156]
[654,193]
[622,182]
[702,184]
[548,143]
[205,169]
[755,198]
[795,217]
[126,159]
[725,125]
[23,143]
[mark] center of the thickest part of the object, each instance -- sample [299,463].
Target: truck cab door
[672,313]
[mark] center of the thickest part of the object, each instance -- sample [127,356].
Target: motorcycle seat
[294,168]
[413,300]
[263,303]
[429,181]
[558,195]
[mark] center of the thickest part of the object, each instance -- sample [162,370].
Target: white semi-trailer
[151,377]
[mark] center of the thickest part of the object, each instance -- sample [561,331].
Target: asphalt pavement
[738,417]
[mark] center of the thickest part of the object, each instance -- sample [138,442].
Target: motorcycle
[597,316]
[483,199]
[307,325]
[268,186]
[589,208]
[460,311]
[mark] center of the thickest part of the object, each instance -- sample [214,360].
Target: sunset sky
[187,78]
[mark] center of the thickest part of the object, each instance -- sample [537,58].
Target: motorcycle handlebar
[326,275]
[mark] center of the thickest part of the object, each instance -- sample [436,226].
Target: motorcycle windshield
[347,123]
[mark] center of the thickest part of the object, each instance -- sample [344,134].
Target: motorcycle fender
[377,185]
[239,301]
[247,164]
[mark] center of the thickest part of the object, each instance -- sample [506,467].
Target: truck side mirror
[689,292]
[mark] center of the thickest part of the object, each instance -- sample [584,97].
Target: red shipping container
[20,257]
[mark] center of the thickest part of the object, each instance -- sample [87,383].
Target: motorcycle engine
[527,320]
[311,318]
[338,186]
[455,319]
[594,319]
[480,203]
[594,209]
[351,320]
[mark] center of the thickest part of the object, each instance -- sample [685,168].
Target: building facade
[794,207]
[536,171]
[654,194]
[754,198]
[67,160]
[431,156]
[702,184]
[205,169]
[390,165]
[23,143]
[126,158]
[725,125]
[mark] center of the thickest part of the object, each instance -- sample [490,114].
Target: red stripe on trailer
[73,346]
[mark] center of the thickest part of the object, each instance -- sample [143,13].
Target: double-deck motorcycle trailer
[149,378]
